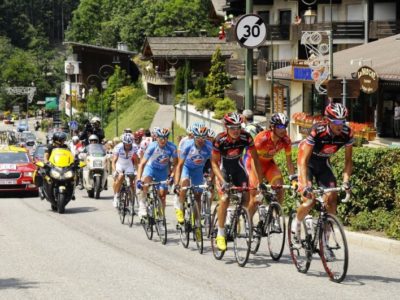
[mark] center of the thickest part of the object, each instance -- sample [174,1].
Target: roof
[7,148]
[381,55]
[106,49]
[186,47]
[218,7]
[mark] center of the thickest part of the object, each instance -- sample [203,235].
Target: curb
[373,242]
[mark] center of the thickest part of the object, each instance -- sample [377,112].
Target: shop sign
[302,73]
[368,80]
[278,99]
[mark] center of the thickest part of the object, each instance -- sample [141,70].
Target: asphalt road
[87,254]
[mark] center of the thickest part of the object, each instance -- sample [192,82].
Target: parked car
[22,126]
[16,170]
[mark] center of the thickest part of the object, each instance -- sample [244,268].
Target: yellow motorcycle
[58,184]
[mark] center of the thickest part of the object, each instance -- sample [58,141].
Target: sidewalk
[163,117]
[381,244]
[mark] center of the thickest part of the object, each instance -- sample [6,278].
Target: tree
[217,80]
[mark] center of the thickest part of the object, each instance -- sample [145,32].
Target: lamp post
[70,70]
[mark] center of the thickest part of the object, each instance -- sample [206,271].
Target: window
[264,16]
[327,13]
[385,11]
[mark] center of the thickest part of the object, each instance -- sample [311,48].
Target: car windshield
[96,150]
[22,122]
[39,152]
[29,136]
[13,158]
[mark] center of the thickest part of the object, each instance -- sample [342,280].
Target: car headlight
[28,174]
[69,174]
[55,174]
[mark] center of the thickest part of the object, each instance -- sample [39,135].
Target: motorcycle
[58,178]
[95,173]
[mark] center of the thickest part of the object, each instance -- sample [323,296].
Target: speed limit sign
[250,31]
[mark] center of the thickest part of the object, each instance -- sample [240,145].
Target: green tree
[217,80]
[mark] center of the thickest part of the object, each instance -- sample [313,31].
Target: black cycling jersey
[231,152]
[325,142]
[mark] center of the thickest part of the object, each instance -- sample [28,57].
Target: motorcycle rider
[94,127]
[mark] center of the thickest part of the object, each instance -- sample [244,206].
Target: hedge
[375,201]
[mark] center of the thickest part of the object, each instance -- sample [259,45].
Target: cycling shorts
[321,171]
[157,175]
[195,175]
[269,169]
[235,175]
[125,168]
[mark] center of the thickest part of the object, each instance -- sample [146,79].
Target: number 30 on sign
[250,31]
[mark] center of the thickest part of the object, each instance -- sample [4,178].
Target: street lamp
[309,16]
[70,71]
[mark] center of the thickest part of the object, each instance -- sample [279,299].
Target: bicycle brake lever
[347,198]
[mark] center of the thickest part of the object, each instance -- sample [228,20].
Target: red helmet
[140,132]
[336,111]
[137,135]
[232,119]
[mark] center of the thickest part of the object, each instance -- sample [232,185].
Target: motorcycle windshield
[61,157]
[96,150]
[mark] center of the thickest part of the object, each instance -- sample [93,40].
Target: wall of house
[296,99]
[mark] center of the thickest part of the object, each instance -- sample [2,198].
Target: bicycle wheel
[242,235]
[160,221]
[300,248]
[147,223]
[333,249]
[184,229]
[205,214]
[276,231]
[257,234]
[122,206]
[133,207]
[197,228]
[218,254]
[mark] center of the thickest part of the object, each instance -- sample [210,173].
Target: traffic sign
[73,125]
[250,31]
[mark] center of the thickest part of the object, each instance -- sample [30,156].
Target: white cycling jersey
[143,145]
[124,163]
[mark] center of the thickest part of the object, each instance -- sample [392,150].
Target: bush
[224,106]
[375,201]
[206,103]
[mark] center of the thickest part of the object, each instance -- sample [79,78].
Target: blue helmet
[162,132]
[200,131]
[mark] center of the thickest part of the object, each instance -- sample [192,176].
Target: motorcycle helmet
[59,137]
[93,138]
[95,120]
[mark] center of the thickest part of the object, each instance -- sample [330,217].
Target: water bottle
[309,224]
[229,213]
[263,210]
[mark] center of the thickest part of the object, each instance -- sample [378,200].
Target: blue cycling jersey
[195,157]
[158,158]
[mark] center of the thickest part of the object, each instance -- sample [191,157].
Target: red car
[16,170]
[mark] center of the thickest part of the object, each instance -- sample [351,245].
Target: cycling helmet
[211,133]
[127,138]
[189,129]
[162,132]
[336,111]
[75,139]
[93,137]
[95,120]
[127,130]
[248,113]
[200,131]
[232,118]
[154,131]
[137,135]
[279,119]
[59,137]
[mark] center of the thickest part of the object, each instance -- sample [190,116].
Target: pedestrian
[396,119]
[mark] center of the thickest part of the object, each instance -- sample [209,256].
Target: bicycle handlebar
[155,183]
[320,191]
[202,186]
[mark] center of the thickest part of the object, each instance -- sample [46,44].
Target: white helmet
[93,137]
[127,138]
[75,138]
[95,119]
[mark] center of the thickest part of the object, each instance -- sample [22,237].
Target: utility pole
[248,99]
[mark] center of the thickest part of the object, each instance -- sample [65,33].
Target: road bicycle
[155,213]
[238,227]
[128,203]
[323,235]
[206,199]
[192,219]
[271,222]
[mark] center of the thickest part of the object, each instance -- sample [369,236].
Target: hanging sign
[368,80]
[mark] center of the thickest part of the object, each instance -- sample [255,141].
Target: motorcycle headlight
[69,174]
[55,174]
[28,174]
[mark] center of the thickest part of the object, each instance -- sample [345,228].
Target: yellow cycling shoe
[221,242]
[179,216]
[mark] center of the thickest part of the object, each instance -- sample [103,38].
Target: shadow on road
[15,283]
[7,194]
[80,210]
[361,279]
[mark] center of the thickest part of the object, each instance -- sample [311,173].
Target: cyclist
[146,140]
[124,161]
[192,158]
[248,123]
[227,165]
[325,139]
[155,166]
[268,143]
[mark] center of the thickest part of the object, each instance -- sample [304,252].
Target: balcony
[261,104]
[340,30]
[159,78]
[237,68]
[278,33]
[382,29]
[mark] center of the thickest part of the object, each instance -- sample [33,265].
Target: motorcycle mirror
[82,164]
[40,164]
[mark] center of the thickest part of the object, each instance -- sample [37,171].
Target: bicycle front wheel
[184,229]
[218,254]
[299,246]
[133,207]
[205,214]
[160,221]
[333,249]
[197,228]
[122,206]
[276,230]
[242,236]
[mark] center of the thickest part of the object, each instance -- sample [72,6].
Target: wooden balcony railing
[159,78]
[278,32]
[382,29]
[340,30]
[237,68]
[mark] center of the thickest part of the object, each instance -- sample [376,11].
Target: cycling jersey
[124,163]
[325,143]
[183,141]
[158,158]
[143,145]
[193,156]
[231,156]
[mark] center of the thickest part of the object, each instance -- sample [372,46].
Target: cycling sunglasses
[280,126]
[338,122]
[234,127]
